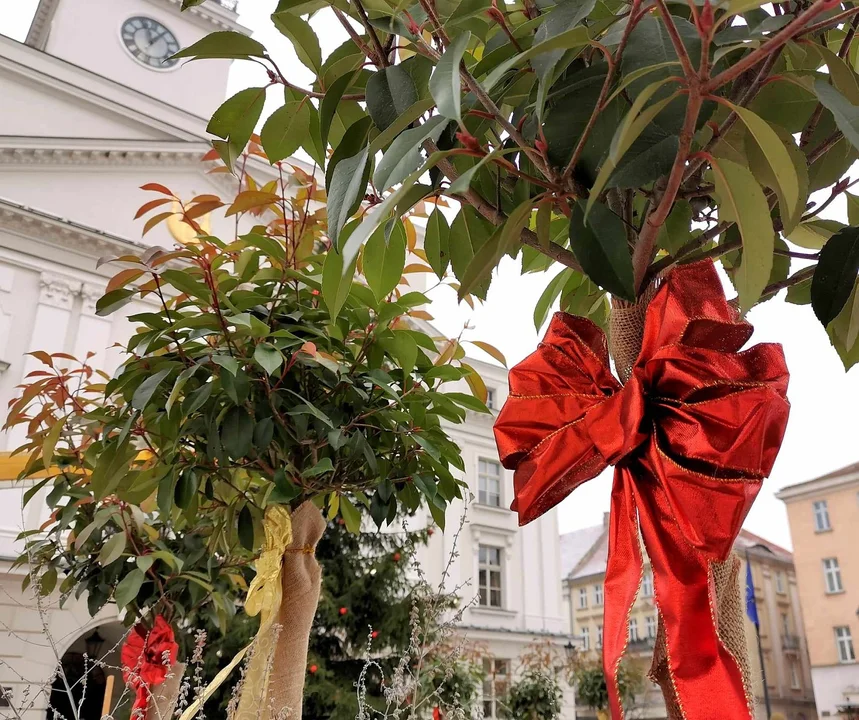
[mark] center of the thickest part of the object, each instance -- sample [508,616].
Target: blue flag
[751,604]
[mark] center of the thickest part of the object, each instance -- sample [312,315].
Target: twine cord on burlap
[626,332]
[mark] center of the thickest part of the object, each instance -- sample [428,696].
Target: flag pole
[757,623]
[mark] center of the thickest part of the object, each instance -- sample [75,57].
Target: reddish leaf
[206,198]
[123,278]
[154,220]
[167,257]
[156,187]
[122,258]
[210,156]
[146,207]
[250,199]
[202,208]
[43,356]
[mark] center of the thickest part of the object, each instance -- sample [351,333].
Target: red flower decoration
[147,656]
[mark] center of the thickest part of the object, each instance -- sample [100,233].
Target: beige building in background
[824,526]
[583,558]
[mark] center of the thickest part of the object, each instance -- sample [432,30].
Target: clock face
[150,42]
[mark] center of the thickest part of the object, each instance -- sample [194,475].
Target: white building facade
[87,120]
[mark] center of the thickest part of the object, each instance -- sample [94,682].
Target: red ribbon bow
[147,656]
[692,434]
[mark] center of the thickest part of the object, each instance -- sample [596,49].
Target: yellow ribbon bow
[264,599]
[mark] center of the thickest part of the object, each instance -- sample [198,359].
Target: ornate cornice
[216,13]
[47,228]
[90,295]
[37,35]
[92,156]
[58,291]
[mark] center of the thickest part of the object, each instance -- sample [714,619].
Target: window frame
[484,583]
[820,512]
[586,638]
[583,597]
[599,636]
[844,642]
[491,681]
[491,395]
[780,586]
[650,626]
[599,596]
[632,629]
[647,584]
[832,571]
[484,495]
[795,680]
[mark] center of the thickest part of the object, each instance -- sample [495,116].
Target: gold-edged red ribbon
[691,434]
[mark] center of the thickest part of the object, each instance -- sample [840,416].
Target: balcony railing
[790,642]
[641,644]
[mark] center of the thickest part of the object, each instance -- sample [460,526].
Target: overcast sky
[821,435]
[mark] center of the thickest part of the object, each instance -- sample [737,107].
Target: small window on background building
[490,398]
[599,636]
[650,626]
[794,675]
[586,638]
[496,676]
[844,644]
[598,595]
[785,624]
[489,576]
[489,482]
[647,585]
[779,582]
[583,597]
[821,516]
[633,629]
[832,575]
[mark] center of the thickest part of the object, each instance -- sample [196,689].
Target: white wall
[830,684]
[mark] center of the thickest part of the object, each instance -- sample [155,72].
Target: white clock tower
[130,41]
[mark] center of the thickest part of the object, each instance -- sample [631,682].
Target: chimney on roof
[605,518]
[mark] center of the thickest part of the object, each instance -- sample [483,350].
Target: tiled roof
[747,539]
[849,470]
[575,545]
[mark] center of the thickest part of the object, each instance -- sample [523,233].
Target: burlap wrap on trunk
[626,331]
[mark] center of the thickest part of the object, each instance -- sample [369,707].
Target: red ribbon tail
[622,578]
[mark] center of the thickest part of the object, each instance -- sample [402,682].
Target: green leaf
[843,331]
[676,231]
[347,188]
[469,232]
[246,528]
[50,442]
[329,104]
[743,202]
[263,434]
[144,392]
[228,362]
[390,92]
[468,401]
[445,83]
[303,39]
[835,274]
[323,466]
[403,121]
[112,549]
[351,516]
[226,44]
[268,357]
[404,154]
[286,129]
[237,432]
[548,297]
[846,115]
[128,588]
[183,378]
[284,491]
[112,301]
[384,260]
[236,118]
[776,154]
[336,283]
[487,257]
[185,490]
[436,242]
[600,246]
[403,348]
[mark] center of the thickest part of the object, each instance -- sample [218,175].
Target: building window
[650,626]
[785,624]
[489,483]
[489,576]
[832,575]
[495,679]
[597,595]
[794,675]
[821,516]
[599,636]
[586,638]
[647,585]
[779,582]
[490,398]
[633,629]
[844,643]
[583,597]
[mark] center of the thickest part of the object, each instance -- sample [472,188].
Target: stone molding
[58,291]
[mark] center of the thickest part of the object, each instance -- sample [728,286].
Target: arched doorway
[83,684]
